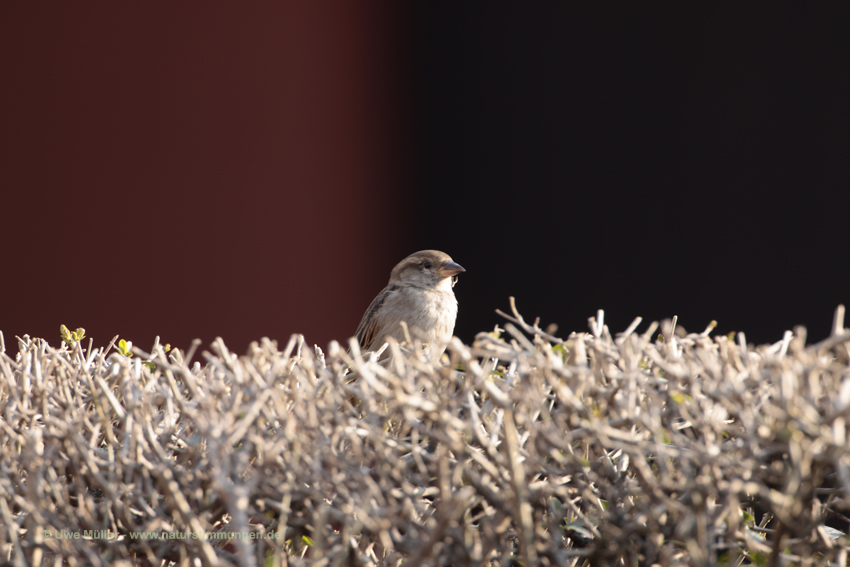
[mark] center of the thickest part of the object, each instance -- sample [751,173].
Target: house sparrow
[420,294]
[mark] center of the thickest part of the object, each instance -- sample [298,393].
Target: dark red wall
[197,169]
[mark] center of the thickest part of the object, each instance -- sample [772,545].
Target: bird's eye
[426,264]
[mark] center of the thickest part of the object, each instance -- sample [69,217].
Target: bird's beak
[450,269]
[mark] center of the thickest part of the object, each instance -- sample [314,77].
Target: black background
[242,171]
[651,161]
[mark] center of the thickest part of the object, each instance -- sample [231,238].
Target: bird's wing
[368,329]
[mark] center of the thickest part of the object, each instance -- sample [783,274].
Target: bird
[420,294]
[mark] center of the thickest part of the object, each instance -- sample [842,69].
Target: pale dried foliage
[635,449]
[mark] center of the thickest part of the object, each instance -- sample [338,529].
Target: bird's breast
[434,314]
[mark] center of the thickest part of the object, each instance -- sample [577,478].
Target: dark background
[212,169]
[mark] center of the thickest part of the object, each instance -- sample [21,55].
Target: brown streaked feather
[367,330]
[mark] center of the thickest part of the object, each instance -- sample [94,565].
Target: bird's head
[426,269]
